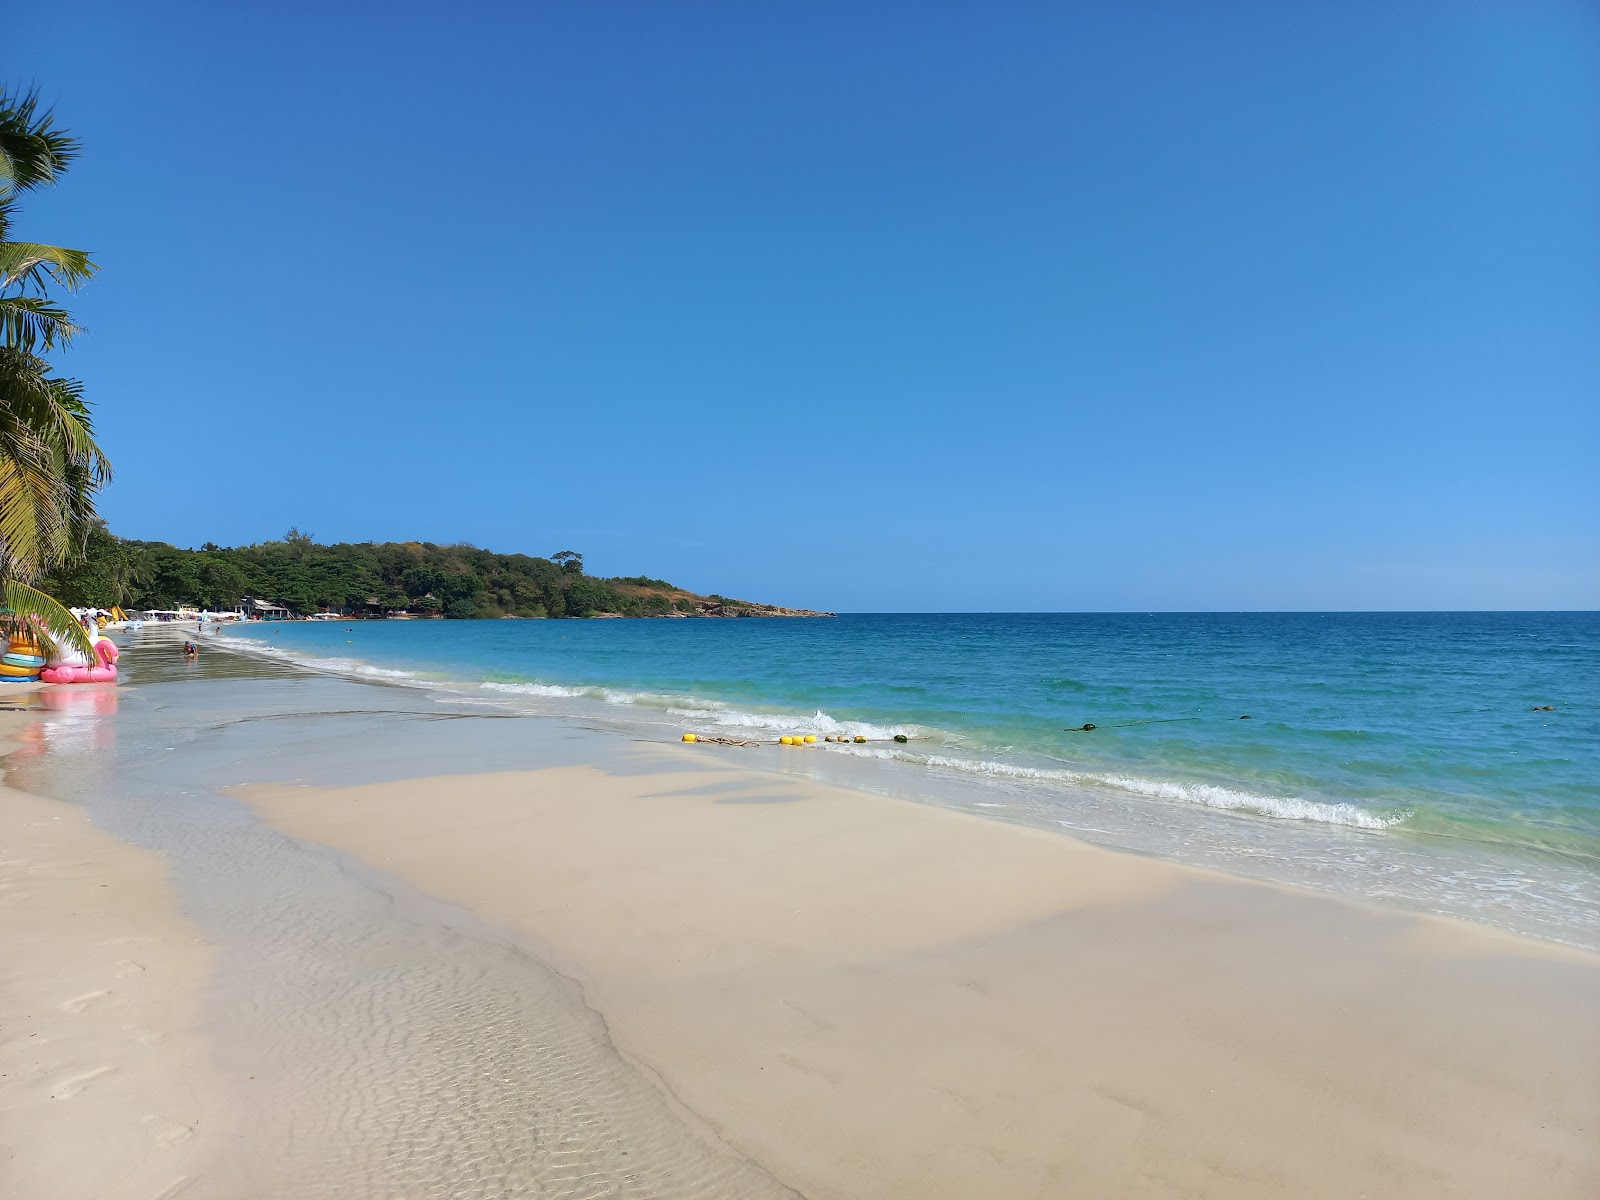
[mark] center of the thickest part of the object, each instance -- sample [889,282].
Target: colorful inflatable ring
[7,671]
[18,659]
[18,678]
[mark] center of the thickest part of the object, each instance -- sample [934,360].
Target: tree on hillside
[50,464]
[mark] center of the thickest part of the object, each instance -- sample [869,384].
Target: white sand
[882,999]
[106,1091]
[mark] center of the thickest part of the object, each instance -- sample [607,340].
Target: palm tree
[50,465]
[130,571]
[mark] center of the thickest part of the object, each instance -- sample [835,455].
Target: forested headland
[54,550]
[372,579]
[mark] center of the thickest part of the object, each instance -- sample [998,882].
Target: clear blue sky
[870,306]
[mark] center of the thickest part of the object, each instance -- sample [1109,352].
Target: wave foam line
[710,712]
[1282,808]
[332,666]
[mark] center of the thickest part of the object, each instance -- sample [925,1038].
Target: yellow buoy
[859,738]
[786,740]
[689,737]
[810,738]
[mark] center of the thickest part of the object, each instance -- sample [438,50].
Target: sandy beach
[107,1090]
[437,953]
[878,999]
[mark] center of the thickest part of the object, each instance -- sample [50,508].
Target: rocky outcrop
[736,608]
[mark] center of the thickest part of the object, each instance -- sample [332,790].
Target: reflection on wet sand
[377,1043]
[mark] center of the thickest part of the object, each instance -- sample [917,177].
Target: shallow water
[380,1044]
[1395,756]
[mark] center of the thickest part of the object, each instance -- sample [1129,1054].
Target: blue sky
[862,306]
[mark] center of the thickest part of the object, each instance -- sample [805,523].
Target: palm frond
[35,265]
[50,464]
[32,521]
[44,617]
[50,409]
[30,323]
[33,150]
[50,467]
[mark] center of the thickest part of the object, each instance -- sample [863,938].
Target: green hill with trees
[372,579]
[54,550]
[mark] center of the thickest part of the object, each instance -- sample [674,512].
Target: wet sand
[107,1091]
[440,953]
[874,998]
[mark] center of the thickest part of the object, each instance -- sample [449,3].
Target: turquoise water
[1416,730]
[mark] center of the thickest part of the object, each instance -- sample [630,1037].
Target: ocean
[1407,758]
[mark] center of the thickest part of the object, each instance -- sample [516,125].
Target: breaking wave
[684,709]
[333,666]
[709,712]
[1282,808]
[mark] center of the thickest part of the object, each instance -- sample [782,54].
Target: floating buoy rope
[807,739]
[1090,727]
[796,739]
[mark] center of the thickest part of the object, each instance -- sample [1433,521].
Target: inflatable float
[69,666]
[22,661]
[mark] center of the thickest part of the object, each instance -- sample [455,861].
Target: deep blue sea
[1396,755]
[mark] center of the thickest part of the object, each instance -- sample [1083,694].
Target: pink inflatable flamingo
[104,670]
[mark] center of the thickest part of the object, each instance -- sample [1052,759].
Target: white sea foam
[604,694]
[819,722]
[251,646]
[353,666]
[332,666]
[709,712]
[714,713]
[1283,808]
[537,689]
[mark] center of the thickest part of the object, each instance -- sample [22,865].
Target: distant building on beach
[265,610]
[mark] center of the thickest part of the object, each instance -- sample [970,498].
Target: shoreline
[463,945]
[1345,850]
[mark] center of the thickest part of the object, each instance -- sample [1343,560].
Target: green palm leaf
[48,408]
[32,611]
[30,323]
[33,264]
[33,151]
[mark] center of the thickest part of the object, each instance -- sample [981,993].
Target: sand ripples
[379,1046]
